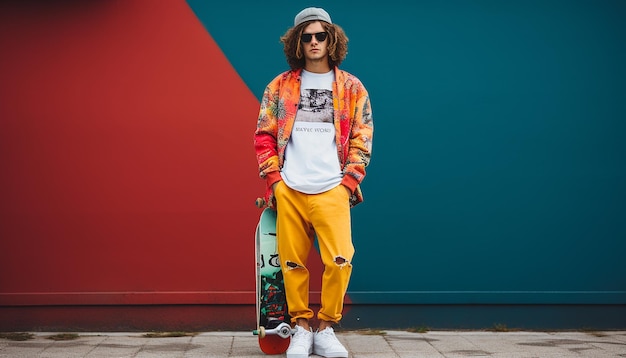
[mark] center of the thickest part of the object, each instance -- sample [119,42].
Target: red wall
[128,171]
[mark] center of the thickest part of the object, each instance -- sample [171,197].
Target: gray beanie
[311,13]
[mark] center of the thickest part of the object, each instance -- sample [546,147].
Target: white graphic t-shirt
[311,160]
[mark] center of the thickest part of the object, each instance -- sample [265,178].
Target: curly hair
[337,44]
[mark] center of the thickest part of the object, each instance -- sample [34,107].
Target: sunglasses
[320,36]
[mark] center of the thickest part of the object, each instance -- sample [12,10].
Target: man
[313,141]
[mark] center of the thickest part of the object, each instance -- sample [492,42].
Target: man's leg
[331,221]
[294,237]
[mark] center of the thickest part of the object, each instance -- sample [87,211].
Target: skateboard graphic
[273,319]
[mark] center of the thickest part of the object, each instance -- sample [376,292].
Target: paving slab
[360,344]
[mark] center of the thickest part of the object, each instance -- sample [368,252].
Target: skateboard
[273,327]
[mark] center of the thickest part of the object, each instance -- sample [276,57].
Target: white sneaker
[326,344]
[301,344]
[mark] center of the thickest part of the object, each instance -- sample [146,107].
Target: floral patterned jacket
[353,123]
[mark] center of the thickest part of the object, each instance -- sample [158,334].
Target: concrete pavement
[380,344]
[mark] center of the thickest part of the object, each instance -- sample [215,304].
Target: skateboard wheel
[284,331]
[261,332]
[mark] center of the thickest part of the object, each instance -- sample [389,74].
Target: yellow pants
[299,217]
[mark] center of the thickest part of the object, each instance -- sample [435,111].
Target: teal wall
[498,172]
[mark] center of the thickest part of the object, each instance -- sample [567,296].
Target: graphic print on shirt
[316,105]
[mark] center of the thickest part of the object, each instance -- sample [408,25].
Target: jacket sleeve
[360,141]
[265,142]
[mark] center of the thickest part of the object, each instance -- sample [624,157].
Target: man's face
[314,50]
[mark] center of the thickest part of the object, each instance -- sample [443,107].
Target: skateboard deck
[273,319]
